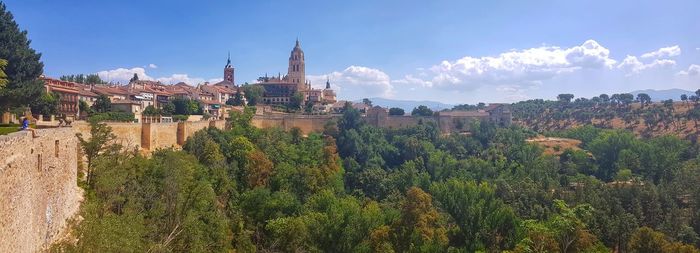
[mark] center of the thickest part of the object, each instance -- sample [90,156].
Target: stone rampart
[38,188]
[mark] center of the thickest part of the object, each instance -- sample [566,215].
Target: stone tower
[296,72]
[228,71]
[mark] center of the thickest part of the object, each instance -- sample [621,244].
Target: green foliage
[102,104]
[152,111]
[358,188]
[47,104]
[167,109]
[85,108]
[180,117]
[112,116]
[485,222]
[253,93]
[236,100]
[23,66]
[3,76]
[422,110]
[395,111]
[84,79]
[186,106]
[99,142]
[295,101]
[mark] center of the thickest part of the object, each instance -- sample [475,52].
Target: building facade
[280,89]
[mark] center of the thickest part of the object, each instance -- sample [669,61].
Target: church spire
[328,82]
[228,62]
[297,44]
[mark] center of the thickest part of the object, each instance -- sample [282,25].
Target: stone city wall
[38,188]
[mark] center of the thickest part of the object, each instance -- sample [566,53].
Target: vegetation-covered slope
[357,188]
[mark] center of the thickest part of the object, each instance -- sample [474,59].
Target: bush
[113,116]
[422,111]
[396,111]
[180,117]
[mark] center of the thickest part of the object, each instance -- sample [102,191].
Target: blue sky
[451,51]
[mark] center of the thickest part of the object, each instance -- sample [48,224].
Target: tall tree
[422,110]
[565,97]
[102,104]
[134,78]
[395,111]
[644,99]
[100,140]
[253,93]
[23,64]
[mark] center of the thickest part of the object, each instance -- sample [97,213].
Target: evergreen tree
[3,76]
[23,64]
[135,78]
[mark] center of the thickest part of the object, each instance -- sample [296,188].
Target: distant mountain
[659,95]
[408,105]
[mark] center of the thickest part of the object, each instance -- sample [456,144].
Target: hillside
[654,119]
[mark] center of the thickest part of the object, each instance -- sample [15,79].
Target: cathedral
[279,89]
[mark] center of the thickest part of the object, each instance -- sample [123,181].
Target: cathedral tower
[296,72]
[228,71]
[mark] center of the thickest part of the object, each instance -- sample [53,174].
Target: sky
[448,51]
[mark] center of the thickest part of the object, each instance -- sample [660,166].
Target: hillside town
[214,99]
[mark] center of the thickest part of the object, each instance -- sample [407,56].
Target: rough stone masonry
[38,188]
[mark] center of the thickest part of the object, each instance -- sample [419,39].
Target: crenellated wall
[38,188]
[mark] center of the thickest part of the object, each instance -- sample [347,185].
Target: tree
[483,219]
[151,111]
[84,107]
[644,99]
[168,108]
[46,105]
[236,100]
[134,78]
[100,140]
[258,169]
[3,76]
[646,240]
[296,100]
[102,104]
[186,106]
[626,98]
[253,93]
[695,99]
[367,101]
[684,98]
[566,98]
[418,229]
[422,110]
[395,111]
[23,66]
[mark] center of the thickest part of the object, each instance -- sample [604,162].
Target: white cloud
[523,67]
[123,75]
[357,82]
[632,65]
[693,70]
[664,52]
[153,66]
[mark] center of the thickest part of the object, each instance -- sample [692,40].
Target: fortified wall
[152,136]
[38,188]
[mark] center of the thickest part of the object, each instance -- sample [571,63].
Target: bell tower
[296,73]
[228,71]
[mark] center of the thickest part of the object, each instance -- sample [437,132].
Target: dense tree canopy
[23,64]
